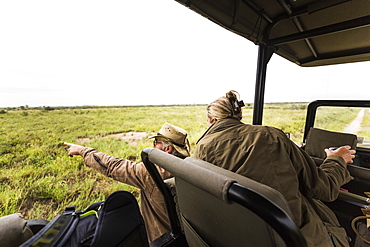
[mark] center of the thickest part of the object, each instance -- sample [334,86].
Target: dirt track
[131,137]
[355,125]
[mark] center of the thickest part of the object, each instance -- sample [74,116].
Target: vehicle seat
[220,208]
[318,139]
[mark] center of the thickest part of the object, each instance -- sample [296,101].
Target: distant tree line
[49,108]
[291,105]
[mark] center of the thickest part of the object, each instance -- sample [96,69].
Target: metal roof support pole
[264,54]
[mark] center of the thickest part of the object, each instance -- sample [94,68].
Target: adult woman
[266,155]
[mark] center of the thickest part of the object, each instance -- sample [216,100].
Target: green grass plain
[38,179]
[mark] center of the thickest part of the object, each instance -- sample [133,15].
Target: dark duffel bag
[115,222]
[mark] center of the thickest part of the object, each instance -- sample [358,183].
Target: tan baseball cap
[176,136]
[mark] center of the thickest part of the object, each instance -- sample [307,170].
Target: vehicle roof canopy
[306,32]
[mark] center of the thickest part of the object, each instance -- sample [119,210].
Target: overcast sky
[72,53]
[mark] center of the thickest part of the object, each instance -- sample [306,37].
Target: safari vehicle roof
[306,32]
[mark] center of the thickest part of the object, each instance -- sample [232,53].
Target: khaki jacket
[152,204]
[266,155]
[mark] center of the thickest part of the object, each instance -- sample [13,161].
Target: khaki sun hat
[176,136]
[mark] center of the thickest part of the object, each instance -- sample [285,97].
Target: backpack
[115,222]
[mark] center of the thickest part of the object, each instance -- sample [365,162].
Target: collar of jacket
[220,125]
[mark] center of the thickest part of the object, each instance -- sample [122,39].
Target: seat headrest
[318,139]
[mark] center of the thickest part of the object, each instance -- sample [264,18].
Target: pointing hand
[74,149]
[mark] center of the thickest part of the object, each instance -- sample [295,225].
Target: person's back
[266,155]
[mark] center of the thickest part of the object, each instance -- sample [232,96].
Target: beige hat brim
[183,151]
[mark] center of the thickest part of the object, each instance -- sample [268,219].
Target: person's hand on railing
[345,152]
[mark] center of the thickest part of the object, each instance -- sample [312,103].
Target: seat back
[221,208]
[318,139]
